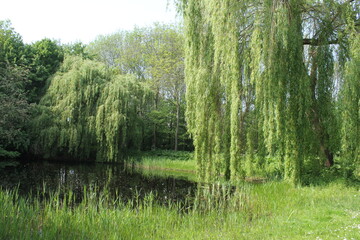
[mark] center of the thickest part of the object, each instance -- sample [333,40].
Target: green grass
[166,163]
[274,210]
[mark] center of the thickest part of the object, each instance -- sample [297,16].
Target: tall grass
[272,210]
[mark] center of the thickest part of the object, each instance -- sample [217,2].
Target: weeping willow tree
[261,84]
[350,131]
[89,112]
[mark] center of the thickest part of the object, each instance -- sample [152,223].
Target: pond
[41,176]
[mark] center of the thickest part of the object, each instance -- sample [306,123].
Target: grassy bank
[166,163]
[264,211]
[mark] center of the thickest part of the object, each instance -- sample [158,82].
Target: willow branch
[317,42]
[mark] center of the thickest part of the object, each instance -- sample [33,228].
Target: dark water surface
[34,177]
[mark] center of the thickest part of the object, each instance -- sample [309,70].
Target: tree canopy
[14,108]
[155,55]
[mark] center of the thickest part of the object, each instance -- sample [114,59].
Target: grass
[166,163]
[271,210]
[274,210]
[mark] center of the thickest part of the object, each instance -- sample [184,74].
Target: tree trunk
[156,100]
[177,125]
[316,121]
[153,146]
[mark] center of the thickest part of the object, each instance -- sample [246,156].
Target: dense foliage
[272,86]
[14,111]
[84,109]
[14,108]
[89,112]
[43,60]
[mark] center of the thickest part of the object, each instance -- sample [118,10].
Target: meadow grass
[273,210]
[166,163]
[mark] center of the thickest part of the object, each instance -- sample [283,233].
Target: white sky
[82,20]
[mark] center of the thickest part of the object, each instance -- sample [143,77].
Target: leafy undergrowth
[274,210]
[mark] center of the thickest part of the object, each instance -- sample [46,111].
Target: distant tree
[12,47]
[122,50]
[164,54]
[14,111]
[44,58]
[76,49]
[14,108]
[156,56]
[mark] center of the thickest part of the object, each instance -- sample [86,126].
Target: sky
[82,20]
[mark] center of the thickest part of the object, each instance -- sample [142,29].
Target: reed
[273,210]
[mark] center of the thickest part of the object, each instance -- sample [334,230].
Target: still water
[126,183]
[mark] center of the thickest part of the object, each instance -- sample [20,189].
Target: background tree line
[123,92]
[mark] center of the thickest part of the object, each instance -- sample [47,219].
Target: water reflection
[33,177]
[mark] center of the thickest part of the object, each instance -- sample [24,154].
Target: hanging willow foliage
[350,132]
[89,112]
[260,81]
[283,86]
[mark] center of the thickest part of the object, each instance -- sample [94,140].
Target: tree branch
[317,42]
